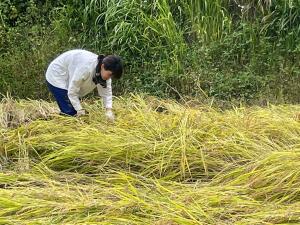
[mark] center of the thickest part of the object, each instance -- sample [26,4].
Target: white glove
[80,113]
[110,115]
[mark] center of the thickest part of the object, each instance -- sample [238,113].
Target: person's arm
[106,94]
[74,88]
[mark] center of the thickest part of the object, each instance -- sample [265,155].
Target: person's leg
[62,99]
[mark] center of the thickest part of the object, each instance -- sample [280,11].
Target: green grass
[230,50]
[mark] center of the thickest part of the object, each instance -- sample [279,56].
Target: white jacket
[74,71]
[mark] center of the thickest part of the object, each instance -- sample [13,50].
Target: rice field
[160,162]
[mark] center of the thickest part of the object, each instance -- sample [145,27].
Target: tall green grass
[245,50]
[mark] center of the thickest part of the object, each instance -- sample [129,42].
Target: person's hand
[110,115]
[80,113]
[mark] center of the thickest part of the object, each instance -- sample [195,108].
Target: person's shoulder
[109,81]
[73,51]
[79,51]
[85,51]
[87,55]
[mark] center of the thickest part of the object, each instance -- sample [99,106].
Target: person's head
[110,66]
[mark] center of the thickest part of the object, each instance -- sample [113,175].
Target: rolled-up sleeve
[106,94]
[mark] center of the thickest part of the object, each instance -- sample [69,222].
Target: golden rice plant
[15,112]
[126,198]
[157,138]
[160,163]
[273,178]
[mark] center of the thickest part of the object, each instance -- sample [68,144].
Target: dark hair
[112,63]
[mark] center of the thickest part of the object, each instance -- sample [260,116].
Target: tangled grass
[160,162]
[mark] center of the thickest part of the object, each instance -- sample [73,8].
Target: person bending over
[76,73]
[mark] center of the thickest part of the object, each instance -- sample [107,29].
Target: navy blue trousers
[62,99]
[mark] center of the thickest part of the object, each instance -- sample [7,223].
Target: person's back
[62,69]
